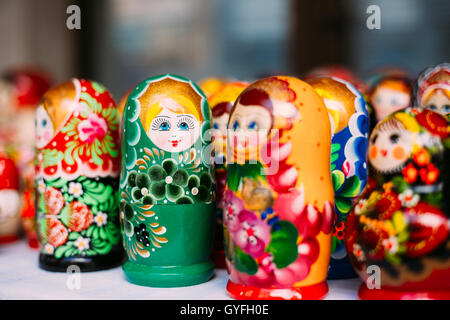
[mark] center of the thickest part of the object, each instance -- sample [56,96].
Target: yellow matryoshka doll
[221,103]
[167,184]
[279,199]
[77,177]
[211,85]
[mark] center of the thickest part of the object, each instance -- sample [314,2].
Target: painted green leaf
[343,204]
[180,177]
[351,187]
[244,263]
[400,184]
[59,252]
[65,215]
[338,178]
[283,244]
[233,177]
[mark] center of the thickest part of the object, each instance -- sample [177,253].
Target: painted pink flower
[253,235]
[289,206]
[94,127]
[232,206]
[348,168]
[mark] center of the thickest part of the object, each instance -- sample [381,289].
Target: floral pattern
[72,224]
[87,143]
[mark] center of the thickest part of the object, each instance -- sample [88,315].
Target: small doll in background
[389,95]
[432,89]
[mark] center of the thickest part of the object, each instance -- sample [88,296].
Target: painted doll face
[249,127]
[386,100]
[439,102]
[44,127]
[389,147]
[174,132]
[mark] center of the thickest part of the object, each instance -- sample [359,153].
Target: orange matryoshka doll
[221,103]
[211,85]
[77,177]
[388,95]
[279,198]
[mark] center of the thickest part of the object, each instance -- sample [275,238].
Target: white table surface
[21,278]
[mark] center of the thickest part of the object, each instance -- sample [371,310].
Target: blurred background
[124,41]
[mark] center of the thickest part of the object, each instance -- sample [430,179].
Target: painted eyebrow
[184,115]
[162,117]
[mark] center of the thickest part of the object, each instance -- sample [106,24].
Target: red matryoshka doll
[21,90]
[9,200]
[77,177]
[279,199]
[432,89]
[398,233]
[389,95]
[221,103]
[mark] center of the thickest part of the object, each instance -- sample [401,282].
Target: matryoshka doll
[167,184]
[9,200]
[279,198]
[350,128]
[77,177]
[211,85]
[432,89]
[20,92]
[221,103]
[398,233]
[388,95]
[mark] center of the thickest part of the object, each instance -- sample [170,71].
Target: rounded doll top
[166,144]
[77,132]
[432,88]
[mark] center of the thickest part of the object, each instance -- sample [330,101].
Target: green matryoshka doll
[167,184]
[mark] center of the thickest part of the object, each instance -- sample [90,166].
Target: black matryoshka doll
[398,233]
[167,184]
[77,177]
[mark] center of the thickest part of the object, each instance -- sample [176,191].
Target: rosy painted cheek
[47,135]
[373,152]
[399,153]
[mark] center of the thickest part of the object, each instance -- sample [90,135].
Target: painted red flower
[410,173]
[429,174]
[57,233]
[81,216]
[428,228]
[94,127]
[54,201]
[422,157]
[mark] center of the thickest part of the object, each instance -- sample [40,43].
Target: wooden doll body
[398,233]
[279,199]
[167,184]
[77,177]
[350,124]
[221,103]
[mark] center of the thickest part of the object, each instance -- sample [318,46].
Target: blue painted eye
[216,126]
[183,126]
[235,125]
[164,126]
[44,122]
[252,125]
